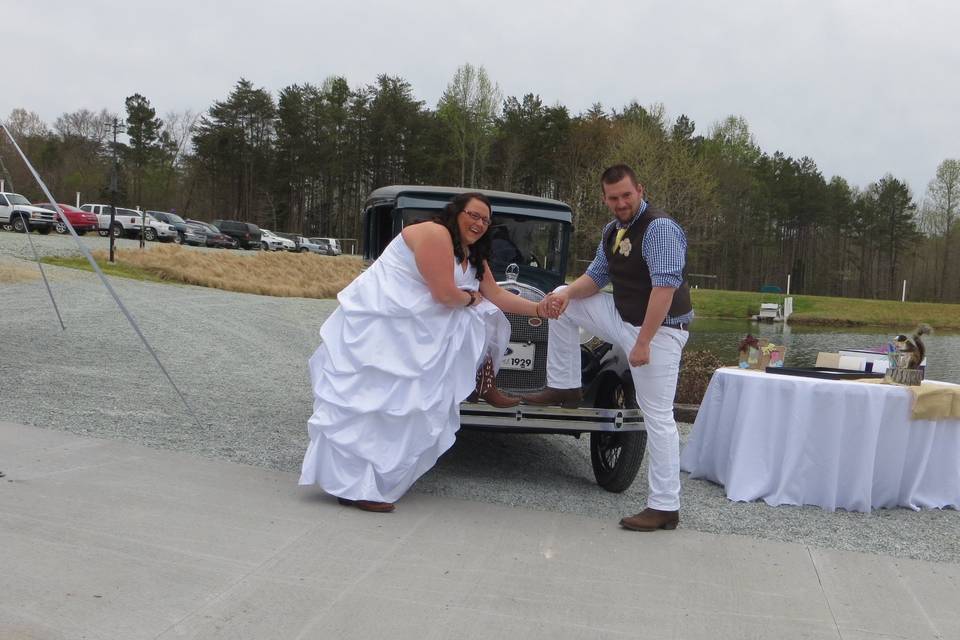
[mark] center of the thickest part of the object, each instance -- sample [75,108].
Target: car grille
[521,331]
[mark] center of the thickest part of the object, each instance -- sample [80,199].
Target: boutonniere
[626,247]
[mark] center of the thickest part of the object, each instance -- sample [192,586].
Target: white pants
[655,382]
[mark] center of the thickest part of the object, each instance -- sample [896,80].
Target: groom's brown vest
[630,274]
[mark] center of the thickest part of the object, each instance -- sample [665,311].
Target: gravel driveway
[241,361]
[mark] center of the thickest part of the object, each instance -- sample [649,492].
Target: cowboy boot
[487,388]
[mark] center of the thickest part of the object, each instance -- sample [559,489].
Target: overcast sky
[864,88]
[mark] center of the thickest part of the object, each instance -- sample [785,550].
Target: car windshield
[171,217]
[534,242]
[524,240]
[16,198]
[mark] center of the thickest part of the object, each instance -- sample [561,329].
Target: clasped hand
[552,306]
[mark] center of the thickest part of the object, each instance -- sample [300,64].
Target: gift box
[760,353]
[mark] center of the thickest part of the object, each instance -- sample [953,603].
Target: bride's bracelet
[473,297]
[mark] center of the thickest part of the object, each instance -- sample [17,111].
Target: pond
[804,342]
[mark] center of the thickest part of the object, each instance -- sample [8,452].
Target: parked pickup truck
[127,222]
[17,213]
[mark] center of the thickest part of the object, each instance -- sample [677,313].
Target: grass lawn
[284,274]
[115,269]
[827,310]
[311,276]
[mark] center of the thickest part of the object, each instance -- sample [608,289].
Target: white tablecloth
[836,444]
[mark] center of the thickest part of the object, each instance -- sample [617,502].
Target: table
[833,443]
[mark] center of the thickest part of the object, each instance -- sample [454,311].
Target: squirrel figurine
[913,345]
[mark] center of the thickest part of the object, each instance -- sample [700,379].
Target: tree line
[304,160]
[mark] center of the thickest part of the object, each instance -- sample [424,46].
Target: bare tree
[940,216]
[469,107]
[86,125]
[26,124]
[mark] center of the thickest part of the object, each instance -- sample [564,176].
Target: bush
[696,369]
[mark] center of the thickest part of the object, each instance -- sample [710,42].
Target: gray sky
[864,88]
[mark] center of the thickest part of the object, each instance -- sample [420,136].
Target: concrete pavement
[107,539]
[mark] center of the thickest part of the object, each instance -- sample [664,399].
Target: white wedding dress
[389,376]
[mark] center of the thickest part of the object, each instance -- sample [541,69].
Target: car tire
[80,233]
[178,239]
[303,249]
[61,228]
[102,233]
[117,231]
[19,224]
[44,231]
[616,456]
[150,235]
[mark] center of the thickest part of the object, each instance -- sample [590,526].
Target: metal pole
[788,284]
[143,224]
[113,191]
[78,199]
[903,296]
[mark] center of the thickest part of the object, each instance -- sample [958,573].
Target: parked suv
[246,234]
[273,242]
[185,235]
[530,238]
[17,213]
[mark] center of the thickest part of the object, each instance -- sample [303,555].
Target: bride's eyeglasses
[478,218]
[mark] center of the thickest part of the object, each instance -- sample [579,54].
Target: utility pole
[114,189]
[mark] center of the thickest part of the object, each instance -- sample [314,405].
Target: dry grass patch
[284,274]
[12,273]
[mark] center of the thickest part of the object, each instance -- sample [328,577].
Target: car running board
[536,418]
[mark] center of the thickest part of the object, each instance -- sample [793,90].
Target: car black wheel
[117,231]
[150,234]
[19,224]
[616,456]
[102,233]
[60,228]
[44,231]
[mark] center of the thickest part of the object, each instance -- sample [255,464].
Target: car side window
[3,201]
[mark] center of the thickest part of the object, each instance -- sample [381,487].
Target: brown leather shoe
[566,398]
[368,505]
[651,520]
[375,507]
[498,398]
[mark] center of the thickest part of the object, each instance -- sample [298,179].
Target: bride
[413,336]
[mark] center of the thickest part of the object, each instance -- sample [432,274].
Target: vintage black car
[530,243]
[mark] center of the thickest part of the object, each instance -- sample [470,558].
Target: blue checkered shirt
[664,248]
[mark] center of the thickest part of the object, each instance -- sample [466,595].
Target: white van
[332,245]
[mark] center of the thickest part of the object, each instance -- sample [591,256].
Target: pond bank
[829,311]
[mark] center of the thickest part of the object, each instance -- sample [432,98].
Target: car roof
[502,201]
